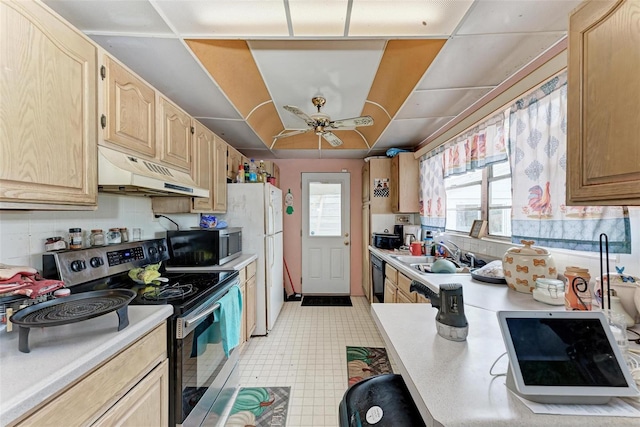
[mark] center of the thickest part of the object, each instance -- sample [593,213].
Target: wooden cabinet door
[603,147]
[48,87]
[218,192]
[404,286]
[175,133]
[203,146]
[251,305]
[243,318]
[390,291]
[147,404]
[404,183]
[379,191]
[402,298]
[131,110]
[234,159]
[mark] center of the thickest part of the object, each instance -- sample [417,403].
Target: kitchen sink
[423,264]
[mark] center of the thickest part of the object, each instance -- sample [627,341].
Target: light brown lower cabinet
[248,289]
[130,389]
[390,291]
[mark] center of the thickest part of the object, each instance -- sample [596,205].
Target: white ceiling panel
[522,16]
[484,60]
[132,17]
[440,102]
[235,132]
[408,133]
[216,18]
[406,18]
[318,19]
[296,71]
[297,154]
[168,66]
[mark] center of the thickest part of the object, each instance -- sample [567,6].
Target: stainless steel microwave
[203,247]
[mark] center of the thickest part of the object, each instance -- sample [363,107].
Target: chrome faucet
[455,254]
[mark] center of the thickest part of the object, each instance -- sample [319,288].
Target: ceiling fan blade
[332,139]
[293,132]
[298,112]
[355,121]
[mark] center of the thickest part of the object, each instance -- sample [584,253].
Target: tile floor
[306,350]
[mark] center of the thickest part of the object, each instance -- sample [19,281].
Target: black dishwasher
[377,278]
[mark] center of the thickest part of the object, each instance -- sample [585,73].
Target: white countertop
[235,264]
[60,355]
[450,381]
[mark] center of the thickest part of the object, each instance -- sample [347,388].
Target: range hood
[126,174]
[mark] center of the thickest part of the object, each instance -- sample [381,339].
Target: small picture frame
[478,228]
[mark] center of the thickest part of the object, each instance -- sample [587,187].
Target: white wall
[564,258]
[23,233]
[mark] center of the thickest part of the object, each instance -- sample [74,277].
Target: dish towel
[230,315]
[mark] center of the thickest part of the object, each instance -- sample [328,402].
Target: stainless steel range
[202,378]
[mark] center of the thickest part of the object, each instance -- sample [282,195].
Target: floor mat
[323,300]
[365,362]
[260,407]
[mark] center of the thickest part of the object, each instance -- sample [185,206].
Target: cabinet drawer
[391,273]
[251,270]
[83,402]
[404,283]
[242,274]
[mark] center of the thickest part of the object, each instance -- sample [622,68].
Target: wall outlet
[403,219]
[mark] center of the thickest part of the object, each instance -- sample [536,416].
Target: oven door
[204,375]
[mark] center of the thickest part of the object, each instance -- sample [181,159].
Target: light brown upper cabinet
[404,185]
[203,145]
[175,130]
[130,122]
[234,159]
[376,176]
[365,183]
[218,190]
[603,146]
[48,117]
[273,170]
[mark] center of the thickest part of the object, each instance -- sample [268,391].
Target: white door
[326,235]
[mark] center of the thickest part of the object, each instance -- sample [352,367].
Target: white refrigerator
[257,208]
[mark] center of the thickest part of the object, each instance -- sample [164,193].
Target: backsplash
[24,232]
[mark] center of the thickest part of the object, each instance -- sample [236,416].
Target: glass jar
[124,235]
[113,236]
[75,238]
[96,238]
[549,291]
[577,295]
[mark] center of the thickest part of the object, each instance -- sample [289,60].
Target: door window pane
[325,209]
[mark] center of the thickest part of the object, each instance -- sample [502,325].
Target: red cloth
[31,285]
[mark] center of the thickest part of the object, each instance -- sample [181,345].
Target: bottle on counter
[124,235]
[428,242]
[253,171]
[97,237]
[113,236]
[75,238]
[246,172]
[262,173]
[240,175]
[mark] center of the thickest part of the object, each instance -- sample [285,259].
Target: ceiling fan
[322,124]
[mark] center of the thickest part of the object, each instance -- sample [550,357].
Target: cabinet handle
[103,72]
[103,121]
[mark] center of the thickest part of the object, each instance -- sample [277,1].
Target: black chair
[389,393]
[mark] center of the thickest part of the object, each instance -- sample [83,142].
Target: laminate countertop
[450,381]
[61,355]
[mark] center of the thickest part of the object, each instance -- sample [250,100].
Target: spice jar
[113,236]
[75,238]
[124,235]
[97,237]
[577,295]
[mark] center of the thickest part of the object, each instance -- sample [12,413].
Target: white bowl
[627,292]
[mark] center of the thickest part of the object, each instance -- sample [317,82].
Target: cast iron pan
[71,309]
[496,280]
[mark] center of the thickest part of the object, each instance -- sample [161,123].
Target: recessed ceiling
[412,65]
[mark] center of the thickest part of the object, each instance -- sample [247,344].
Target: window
[325,209]
[481,194]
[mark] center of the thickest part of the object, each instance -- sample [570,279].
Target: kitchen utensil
[386,240]
[72,309]
[451,323]
[523,265]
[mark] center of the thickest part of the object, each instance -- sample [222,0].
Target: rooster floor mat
[260,407]
[365,362]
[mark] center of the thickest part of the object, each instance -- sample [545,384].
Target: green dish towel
[230,315]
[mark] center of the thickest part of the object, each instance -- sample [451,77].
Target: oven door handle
[188,321]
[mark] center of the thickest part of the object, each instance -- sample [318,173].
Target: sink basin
[408,259]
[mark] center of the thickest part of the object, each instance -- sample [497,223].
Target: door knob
[346,234]
[346,243]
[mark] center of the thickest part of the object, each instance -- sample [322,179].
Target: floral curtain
[479,147]
[538,158]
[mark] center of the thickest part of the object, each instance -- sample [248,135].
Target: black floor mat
[323,300]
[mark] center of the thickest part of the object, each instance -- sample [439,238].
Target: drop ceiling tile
[408,133]
[318,19]
[113,17]
[169,67]
[295,71]
[440,102]
[406,18]
[223,18]
[236,133]
[484,60]
[517,16]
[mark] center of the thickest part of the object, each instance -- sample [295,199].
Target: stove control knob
[96,262]
[162,248]
[153,250]
[78,265]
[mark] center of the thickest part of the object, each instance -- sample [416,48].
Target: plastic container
[97,237]
[75,238]
[253,171]
[549,291]
[240,175]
